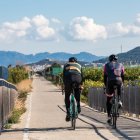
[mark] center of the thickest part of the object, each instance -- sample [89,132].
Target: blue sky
[100,27]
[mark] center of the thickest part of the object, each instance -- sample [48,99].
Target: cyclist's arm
[81,76]
[105,75]
[64,70]
[122,74]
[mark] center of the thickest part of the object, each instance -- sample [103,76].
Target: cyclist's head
[72,59]
[113,57]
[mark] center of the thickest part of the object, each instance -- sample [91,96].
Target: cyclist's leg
[67,101]
[108,105]
[77,97]
[119,90]
[77,79]
[110,91]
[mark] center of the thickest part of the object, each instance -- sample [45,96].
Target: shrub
[132,74]
[16,115]
[17,74]
[94,74]
[89,83]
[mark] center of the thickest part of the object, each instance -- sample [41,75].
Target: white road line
[26,132]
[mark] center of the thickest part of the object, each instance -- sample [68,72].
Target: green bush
[89,83]
[94,74]
[17,74]
[16,115]
[132,74]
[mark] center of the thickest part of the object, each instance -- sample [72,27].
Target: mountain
[130,57]
[8,57]
[82,56]
[13,58]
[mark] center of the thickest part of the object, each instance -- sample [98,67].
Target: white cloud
[117,30]
[20,25]
[138,19]
[120,30]
[45,32]
[36,28]
[134,30]
[13,30]
[42,29]
[20,33]
[2,34]
[10,31]
[55,20]
[9,34]
[83,28]
[40,20]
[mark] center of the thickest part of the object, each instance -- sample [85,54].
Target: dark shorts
[111,84]
[71,78]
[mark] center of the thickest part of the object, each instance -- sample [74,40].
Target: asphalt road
[45,119]
[127,128]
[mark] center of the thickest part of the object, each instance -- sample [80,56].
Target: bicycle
[115,107]
[73,107]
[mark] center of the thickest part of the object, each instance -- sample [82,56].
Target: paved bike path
[45,118]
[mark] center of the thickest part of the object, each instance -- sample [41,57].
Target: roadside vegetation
[93,77]
[19,76]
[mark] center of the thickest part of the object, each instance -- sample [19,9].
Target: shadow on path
[44,129]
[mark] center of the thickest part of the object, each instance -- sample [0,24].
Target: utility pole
[121,48]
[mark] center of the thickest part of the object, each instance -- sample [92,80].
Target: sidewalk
[45,118]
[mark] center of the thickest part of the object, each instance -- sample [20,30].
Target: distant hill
[130,57]
[51,61]
[13,58]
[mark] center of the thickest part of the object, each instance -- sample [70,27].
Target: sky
[100,27]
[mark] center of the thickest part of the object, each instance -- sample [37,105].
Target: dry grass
[24,87]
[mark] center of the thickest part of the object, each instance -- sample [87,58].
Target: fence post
[129,97]
[0,108]
[2,111]
[9,102]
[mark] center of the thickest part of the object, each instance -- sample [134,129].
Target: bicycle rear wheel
[73,123]
[114,116]
[73,117]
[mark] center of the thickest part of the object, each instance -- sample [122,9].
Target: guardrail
[130,99]
[8,94]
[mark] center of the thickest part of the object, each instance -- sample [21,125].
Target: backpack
[114,70]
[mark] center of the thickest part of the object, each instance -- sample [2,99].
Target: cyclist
[72,72]
[113,75]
